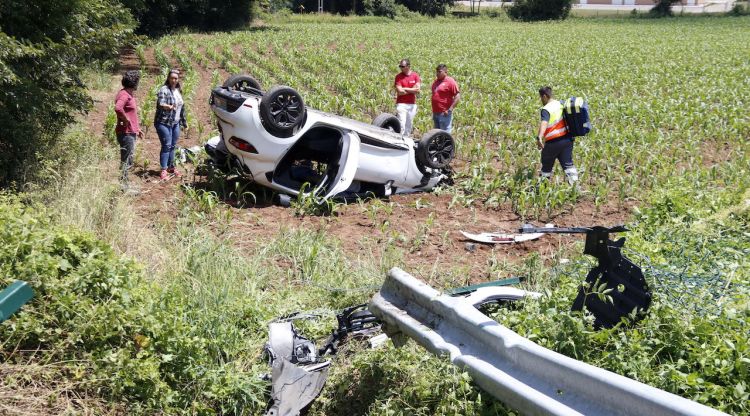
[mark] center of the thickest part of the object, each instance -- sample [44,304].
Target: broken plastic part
[297,373]
[600,295]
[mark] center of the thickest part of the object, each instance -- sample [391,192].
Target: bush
[111,333]
[662,8]
[494,12]
[429,7]
[534,10]
[404,12]
[739,10]
[385,8]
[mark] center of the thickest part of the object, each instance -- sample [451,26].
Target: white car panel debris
[504,238]
[499,238]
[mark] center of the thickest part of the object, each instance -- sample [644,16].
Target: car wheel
[436,149]
[388,122]
[243,83]
[282,110]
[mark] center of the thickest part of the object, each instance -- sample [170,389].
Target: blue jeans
[443,122]
[168,136]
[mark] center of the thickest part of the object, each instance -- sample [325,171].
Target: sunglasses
[403,66]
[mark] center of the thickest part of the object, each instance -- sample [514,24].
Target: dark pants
[127,150]
[562,150]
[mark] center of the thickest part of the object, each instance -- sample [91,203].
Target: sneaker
[174,172]
[164,175]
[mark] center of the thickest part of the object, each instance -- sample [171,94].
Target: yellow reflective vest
[556,126]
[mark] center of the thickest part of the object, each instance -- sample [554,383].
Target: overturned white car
[279,143]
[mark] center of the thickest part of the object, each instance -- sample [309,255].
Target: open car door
[347,167]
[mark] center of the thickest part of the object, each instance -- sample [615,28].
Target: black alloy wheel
[436,149]
[282,110]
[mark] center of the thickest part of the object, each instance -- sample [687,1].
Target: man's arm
[413,90]
[399,89]
[456,98]
[453,104]
[540,135]
[542,128]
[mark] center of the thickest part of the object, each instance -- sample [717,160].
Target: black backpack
[576,114]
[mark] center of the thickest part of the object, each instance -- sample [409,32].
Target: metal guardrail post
[515,370]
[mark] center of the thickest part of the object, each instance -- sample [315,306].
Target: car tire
[436,149]
[387,121]
[282,110]
[243,83]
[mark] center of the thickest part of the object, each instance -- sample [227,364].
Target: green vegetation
[535,10]
[171,316]
[44,47]
[158,17]
[637,96]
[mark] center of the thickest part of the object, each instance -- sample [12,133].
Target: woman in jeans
[128,127]
[170,115]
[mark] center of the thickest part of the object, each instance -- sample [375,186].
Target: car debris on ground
[615,290]
[299,369]
[503,238]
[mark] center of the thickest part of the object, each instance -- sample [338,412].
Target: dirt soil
[435,250]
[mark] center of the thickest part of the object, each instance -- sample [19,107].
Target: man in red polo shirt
[407,85]
[445,96]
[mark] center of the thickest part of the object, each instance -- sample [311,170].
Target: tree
[429,7]
[157,17]
[44,46]
[533,10]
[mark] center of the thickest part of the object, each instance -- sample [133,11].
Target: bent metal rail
[515,370]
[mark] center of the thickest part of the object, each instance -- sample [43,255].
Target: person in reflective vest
[553,138]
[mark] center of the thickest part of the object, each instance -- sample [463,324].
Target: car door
[348,162]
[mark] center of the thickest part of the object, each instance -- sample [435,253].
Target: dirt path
[424,226]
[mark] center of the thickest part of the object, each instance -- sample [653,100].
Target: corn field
[664,98]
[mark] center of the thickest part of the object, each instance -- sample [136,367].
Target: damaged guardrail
[515,370]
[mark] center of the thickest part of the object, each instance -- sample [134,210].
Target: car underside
[280,144]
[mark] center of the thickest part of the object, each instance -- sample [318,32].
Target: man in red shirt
[407,85]
[445,96]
